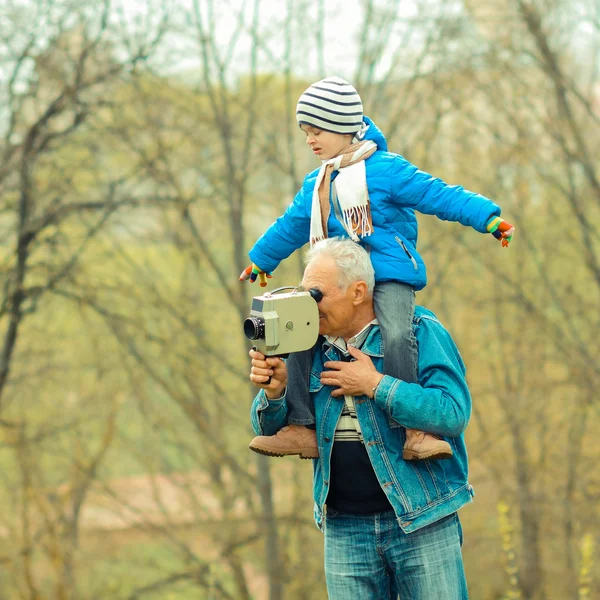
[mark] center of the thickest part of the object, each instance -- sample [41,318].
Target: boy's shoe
[288,441]
[421,445]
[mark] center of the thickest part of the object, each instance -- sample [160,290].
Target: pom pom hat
[331,104]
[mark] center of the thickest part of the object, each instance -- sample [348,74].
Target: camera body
[283,322]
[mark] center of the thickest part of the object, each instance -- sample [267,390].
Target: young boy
[364,192]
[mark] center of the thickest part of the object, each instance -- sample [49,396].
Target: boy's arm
[416,189]
[268,416]
[440,402]
[288,233]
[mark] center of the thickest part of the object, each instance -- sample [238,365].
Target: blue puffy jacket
[396,189]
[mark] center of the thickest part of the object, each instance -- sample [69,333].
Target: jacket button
[327,439]
[326,482]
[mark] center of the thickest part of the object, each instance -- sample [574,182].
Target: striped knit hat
[331,104]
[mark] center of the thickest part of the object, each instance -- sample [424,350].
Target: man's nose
[310,140]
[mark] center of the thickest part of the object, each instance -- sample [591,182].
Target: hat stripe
[341,119]
[333,112]
[334,81]
[317,118]
[324,89]
[330,128]
[322,99]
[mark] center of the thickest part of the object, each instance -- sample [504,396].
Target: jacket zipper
[414,262]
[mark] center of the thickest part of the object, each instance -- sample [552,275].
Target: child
[364,192]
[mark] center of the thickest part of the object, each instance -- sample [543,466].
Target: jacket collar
[368,340]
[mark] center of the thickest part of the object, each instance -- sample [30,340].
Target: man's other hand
[264,367]
[356,378]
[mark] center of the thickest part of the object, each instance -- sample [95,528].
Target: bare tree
[60,64]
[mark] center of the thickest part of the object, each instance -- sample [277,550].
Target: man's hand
[354,378]
[253,271]
[264,367]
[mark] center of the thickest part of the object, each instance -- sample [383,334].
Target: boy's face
[325,144]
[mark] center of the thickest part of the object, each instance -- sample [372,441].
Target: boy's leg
[299,436]
[299,402]
[395,309]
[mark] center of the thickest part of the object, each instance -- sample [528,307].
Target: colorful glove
[251,272]
[501,230]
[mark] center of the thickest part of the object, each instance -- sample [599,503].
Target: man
[390,525]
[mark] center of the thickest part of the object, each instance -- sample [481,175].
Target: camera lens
[254,328]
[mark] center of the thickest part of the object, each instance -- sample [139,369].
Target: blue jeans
[368,557]
[395,307]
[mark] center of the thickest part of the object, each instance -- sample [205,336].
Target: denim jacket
[420,492]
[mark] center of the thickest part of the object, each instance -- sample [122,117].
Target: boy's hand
[501,230]
[252,271]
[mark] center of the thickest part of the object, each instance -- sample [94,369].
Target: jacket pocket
[410,256]
[433,478]
[315,384]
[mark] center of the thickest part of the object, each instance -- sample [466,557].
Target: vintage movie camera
[283,321]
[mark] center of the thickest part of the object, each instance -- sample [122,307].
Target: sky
[180,52]
[342,25]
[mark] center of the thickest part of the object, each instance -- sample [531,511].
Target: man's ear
[359,292]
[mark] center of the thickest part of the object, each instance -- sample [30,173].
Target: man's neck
[358,324]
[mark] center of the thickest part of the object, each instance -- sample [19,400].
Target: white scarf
[349,189]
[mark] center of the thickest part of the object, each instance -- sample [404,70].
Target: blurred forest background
[144,146]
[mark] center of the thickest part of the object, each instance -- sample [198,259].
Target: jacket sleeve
[288,233]
[268,416]
[440,402]
[416,189]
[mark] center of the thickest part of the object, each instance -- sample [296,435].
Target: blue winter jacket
[396,189]
[420,492]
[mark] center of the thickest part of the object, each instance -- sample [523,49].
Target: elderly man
[390,525]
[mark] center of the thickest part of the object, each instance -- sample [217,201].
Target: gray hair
[352,260]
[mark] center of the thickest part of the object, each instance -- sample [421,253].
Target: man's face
[325,144]
[337,307]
